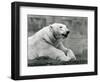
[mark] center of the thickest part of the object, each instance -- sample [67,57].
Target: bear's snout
[66,34]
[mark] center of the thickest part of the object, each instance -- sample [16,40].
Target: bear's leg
[68,52]
[55,53]
[71,54]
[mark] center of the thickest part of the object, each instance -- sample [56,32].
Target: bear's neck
[51,38]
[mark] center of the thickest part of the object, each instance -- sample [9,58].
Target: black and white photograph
[53,40]
[57,40]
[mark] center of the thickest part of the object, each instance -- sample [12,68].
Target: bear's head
[59,30]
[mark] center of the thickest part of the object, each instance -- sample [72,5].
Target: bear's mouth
[65,35]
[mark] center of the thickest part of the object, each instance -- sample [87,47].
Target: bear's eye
[60,27]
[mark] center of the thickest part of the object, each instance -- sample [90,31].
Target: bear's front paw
[66,51]
[70,54]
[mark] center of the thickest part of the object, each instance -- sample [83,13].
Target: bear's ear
[51,27]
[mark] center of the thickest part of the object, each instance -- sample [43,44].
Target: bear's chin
[62,37]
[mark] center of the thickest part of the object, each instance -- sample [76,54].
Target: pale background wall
[5,40]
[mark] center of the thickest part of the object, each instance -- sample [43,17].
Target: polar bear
[48,42]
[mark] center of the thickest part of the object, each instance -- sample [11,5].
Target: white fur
[43,43]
